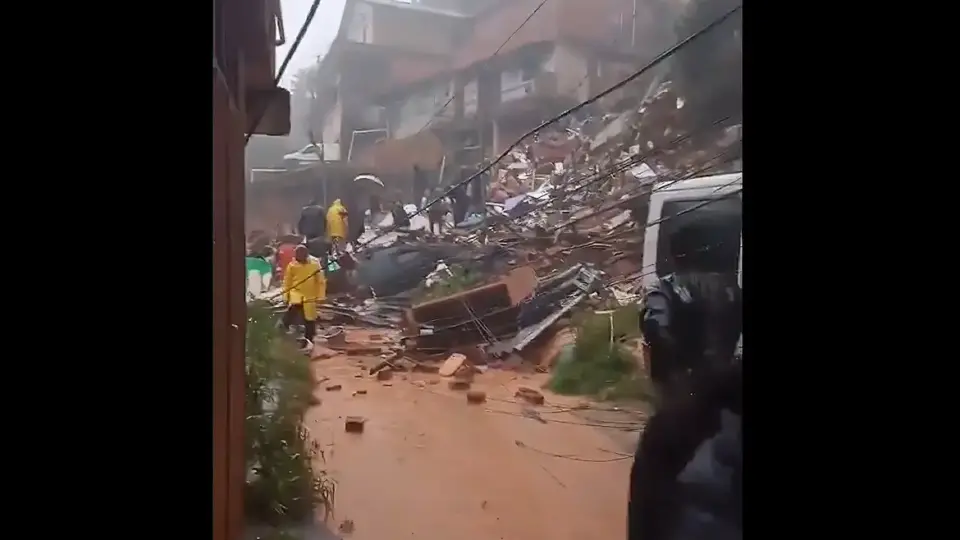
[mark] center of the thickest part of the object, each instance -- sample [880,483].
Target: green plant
[282,486]
[460,280]
[599,364]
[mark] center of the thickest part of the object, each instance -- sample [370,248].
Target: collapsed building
[445,85]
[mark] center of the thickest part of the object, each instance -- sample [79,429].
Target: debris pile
[563,230]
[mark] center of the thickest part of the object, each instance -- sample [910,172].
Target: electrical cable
[621,166]
[456,321]
[572,457]
[500,48]
[618,167]
[580,246]
[656,61]
[283,66]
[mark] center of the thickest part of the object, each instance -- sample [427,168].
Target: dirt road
[430,466]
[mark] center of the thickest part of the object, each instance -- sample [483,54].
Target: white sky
[318,37]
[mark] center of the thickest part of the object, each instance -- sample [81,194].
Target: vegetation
[461,280]
[282,487]
[599,364]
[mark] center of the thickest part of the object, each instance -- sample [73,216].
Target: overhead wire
[283,66]
[495,53]
[650,65]
[625,164]
[618,167]
[580,246]
[435,322]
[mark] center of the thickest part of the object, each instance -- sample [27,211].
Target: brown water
[430,466]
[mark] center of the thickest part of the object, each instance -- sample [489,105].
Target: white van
[723,215]
[722,211]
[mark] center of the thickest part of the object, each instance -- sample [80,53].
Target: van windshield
[717,227]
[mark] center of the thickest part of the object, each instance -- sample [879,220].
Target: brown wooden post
[229,315]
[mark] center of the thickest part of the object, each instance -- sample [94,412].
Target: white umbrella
[370,178]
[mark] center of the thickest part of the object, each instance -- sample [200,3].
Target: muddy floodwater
[429,465]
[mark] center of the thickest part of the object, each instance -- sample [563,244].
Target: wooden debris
[359,392]
[529,395]
[386,364]
[425,368]
[452,364]
[334,387]
[465,373]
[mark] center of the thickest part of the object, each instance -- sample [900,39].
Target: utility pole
[633,26]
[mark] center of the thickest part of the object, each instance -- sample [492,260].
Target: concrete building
[444,84]
[400,70]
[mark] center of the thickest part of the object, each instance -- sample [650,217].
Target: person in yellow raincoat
[304,284]
[337,224]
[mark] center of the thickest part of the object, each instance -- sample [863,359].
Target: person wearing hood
[304,285]
[337,224]
[691,318]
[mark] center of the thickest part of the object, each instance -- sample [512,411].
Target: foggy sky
[318,37]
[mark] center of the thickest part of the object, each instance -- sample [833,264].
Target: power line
[621,166]
[500,48]
[656,61]
[648,224]
[283,66]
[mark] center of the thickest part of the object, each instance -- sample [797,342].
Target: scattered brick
[476,397]
[354,424]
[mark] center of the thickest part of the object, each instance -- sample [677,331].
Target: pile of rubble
[563,230]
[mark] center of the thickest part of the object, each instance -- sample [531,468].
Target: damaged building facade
[445,84]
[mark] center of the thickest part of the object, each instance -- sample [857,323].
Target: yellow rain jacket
[337,220]
[304,283]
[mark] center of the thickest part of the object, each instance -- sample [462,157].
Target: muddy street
[429,465]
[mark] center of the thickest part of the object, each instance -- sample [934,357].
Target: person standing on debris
[337,224]
[691,319]
[461,203]
[312,222]
[437,212]
[400,217]
[304,284]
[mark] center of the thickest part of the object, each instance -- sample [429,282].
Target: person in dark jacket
[437,211]
[685,483]
[691,319]
[400,217]
[313,220]
[461,204]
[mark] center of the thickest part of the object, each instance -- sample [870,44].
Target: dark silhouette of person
[461,204]
[686,479]
[400,217]
[691,319]
[313,220]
